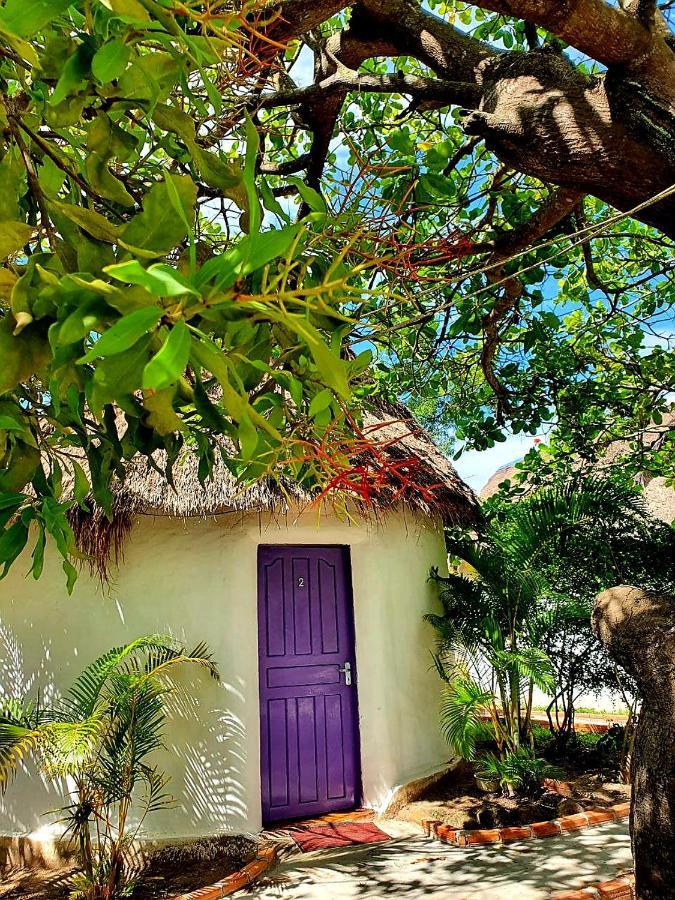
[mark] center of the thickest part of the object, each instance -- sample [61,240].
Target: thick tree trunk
[638,629]
[611,135]
[601,135]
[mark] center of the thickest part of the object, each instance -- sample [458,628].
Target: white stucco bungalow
[327,699]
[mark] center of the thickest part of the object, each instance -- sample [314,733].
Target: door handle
[347,672]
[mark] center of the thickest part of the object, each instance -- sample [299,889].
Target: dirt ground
[51,885]
[170,871]
[455,800]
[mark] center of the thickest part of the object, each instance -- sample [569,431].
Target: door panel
[309,735]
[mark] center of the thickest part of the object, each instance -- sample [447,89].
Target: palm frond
[86,690]
[462,703]
[528,664]
[17,742]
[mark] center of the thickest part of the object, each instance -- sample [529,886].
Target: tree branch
[558,205]
[378,28]
[289,167]
[604,32]
[293,18]
[450,92]
[413,31]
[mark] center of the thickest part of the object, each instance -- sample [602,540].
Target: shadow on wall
[205,744]
[210,775]
[16,681]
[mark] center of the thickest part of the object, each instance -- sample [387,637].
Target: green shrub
[518,772]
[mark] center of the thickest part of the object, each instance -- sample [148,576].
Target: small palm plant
[486,655]
[101,736]
[499,605]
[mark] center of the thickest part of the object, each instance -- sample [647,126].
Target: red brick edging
[552,828]
[621,888]
[264,859]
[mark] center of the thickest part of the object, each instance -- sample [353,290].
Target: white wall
[197,580]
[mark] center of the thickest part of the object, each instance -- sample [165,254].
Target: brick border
[621,888]
[264,860]
[564,825]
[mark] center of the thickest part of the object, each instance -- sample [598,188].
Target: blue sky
[477,466]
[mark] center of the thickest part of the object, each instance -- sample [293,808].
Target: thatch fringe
[99,538]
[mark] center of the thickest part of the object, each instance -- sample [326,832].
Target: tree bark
[638,629]
[598,135]
[611,135]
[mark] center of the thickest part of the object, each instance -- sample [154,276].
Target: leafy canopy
[147,300]
[158,291]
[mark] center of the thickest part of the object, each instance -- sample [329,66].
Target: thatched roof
[659,498]
[416,475]
[405,469]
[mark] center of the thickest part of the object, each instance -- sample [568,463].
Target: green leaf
[171,118]
[39,552]
[8,423]
[71,575]
[81,487]
[74,74]
[20,468]
[81,322]
[23,49]
[50,177]
[13,236]
[251,253]
[90,221]
[248,438]
[124,333]
[361,363]
[252,148]
[162,416]
[21,355]
[131,10]
[210,415]
[331,367]
[12,542]
[312,198]
[271,203]
[158,228]
[170,361]
[104,142]
[401,140]
[27,17]
[216,172]
[8,501]
[205,353]
[110,61]
[159,279]
[116,378]
[268,245]
[322,401]
[181,213]
[13,180]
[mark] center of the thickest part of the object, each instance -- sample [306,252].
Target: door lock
[347,672]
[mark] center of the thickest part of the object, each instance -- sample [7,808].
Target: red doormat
[341,834]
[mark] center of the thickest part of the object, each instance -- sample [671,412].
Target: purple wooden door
[308,717]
